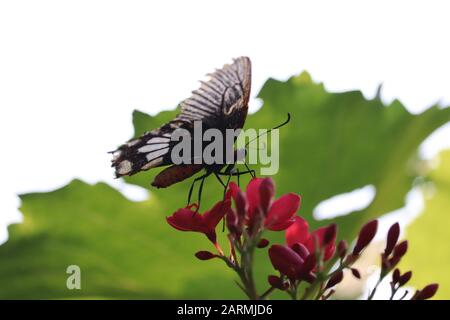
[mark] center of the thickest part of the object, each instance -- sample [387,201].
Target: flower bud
[404,278]
[285,260]
[329,235]
[334,280]
[263,243]
[301,250]
[391,263]
[356,273]
[241,205]
[266,192]
[385,265]
[396,276]
[233,223]
[392,238]
[277,282]
[309,264]
[256,222]
[351,258]
[342,248]
[400,249]
[366,235]
[205,255]
[426,293]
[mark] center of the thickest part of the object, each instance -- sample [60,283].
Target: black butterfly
[220,103]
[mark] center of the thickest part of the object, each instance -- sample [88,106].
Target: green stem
[320,281]
[309,290]
[372,293]
[267,293]
[247,269]
[293,292]
[394,291]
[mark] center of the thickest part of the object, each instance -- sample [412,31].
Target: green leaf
[335,143]
[124,249]
[428,236]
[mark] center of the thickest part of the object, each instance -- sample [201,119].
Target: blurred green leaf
[428,236]
[125,249]
[336,142]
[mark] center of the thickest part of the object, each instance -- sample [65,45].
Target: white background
[71,72]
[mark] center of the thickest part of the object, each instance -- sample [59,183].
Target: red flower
[258,200]
[186,219]
[290,263]
[298,233]
[285,260]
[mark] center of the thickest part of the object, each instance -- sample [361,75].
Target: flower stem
[267,293]
[372,293]
[219,249]
[247,272]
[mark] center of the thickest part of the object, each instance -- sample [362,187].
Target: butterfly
[220,103]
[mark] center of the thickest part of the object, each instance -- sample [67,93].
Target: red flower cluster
[254,210]
[393,251]
[297,235]
[298,260]
[306,256]
[257,204]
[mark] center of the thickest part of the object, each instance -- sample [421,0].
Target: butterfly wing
[221,102]
[226,92]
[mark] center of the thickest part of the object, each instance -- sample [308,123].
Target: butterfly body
[220,103]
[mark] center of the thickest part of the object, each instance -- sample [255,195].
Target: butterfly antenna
[266,132]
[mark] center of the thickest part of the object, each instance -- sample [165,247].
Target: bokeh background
[366,84]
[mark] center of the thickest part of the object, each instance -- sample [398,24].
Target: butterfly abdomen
[174,174]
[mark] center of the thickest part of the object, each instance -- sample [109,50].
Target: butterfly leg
[219,179]
[200,189]
[225,187]
[238,173]
[252,172]
[192,187]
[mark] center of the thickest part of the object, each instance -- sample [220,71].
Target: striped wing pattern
[226,92]
[216,97]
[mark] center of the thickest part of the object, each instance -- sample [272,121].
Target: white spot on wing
[124,167]
[152,163]
[116,155]
[156,154]
[158,140]
[152,147]
[132,142]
